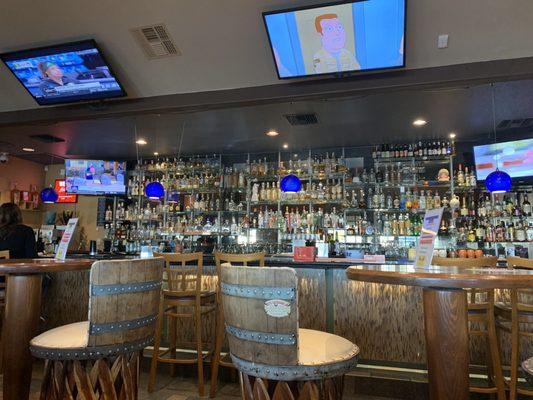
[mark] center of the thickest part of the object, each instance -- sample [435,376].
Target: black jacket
[19,240]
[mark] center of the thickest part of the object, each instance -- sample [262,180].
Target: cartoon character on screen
[53,77]
[89,172]
[332,57]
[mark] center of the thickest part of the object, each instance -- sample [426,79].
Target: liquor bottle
[464,210]
[15,194]
[422,200]
[526,206]
[436,200]
[460,176]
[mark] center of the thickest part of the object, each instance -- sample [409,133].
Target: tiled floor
[178,388]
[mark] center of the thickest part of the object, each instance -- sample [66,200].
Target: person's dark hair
[10,217]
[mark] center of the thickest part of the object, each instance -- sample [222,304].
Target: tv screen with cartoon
[344,37]
[95,177]
[65,73]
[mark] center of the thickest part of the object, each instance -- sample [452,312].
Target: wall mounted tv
[64,73]
[515,158]
[337,37]
[61,190]
[95,177]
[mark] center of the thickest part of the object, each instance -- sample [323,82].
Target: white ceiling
[224,45]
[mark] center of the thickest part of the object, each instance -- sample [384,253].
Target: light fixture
[154,191]
[285,146]
[452,135]
[156,153]
[419,122]
[28,149]
[291,184]
[49,195]
[497,181]
[272,133]
[141,142]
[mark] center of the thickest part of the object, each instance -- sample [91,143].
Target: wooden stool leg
[514,357]
[215,362]
[495,358]
[157,344]
[172,326]
[199,348]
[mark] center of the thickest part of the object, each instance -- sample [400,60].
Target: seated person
[19,239]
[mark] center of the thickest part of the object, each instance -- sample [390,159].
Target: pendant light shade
[49,195]
[154,191]
[498,182]
[291,184]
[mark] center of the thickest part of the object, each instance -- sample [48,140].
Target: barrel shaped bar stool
[256,259]
[4,255]
[99,358]
[481,313]
[183,298]
[275,358]
[514,318]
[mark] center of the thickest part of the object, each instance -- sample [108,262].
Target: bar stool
[184,298]
[217,361]
[276,359]
[99,358]
[509,317]
[481,311]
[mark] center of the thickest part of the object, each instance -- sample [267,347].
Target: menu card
[426,242]
[66,238]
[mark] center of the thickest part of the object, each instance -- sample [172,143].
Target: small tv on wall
[61,190]
[515,158]
[95,177]
[64,73]
[341,37]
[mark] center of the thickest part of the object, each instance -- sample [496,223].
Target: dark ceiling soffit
[425,78]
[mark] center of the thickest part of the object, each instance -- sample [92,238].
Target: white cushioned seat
[71,336]
[321,348]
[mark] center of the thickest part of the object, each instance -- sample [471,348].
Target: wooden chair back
[463,263]
[4,254]
[124,302]
[256,335]
[183,273]
[521,300]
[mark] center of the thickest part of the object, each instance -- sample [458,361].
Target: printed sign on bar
[426,243]
[66,238]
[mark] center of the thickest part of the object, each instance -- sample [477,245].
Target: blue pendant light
[291,184]
[49,195]
[154,191]
[498,182]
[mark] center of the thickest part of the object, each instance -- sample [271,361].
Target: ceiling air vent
[155,41]
[47,138]
[302,119]
[515,123]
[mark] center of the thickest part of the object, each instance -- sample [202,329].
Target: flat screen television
[95,177]
[347,36]
[64,73]
[515,158]
[61,190]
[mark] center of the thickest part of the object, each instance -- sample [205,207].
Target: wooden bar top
[442,277]
[42,265]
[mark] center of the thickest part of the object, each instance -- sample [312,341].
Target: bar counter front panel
[386,321]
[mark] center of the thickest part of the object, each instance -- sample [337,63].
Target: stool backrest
[124,302]
[4,254]
[181,276]
[261,313]
[521,300]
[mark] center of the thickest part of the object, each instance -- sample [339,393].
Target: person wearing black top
[19,239]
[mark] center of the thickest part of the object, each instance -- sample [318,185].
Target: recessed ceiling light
[419,122]
[156,153]
[28,149]
[272,133]
[452,135]
[142,142]
[285,146]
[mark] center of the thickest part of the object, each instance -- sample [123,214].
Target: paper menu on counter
[66,238]
[426,242]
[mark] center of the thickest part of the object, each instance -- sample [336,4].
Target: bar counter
[386,321]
